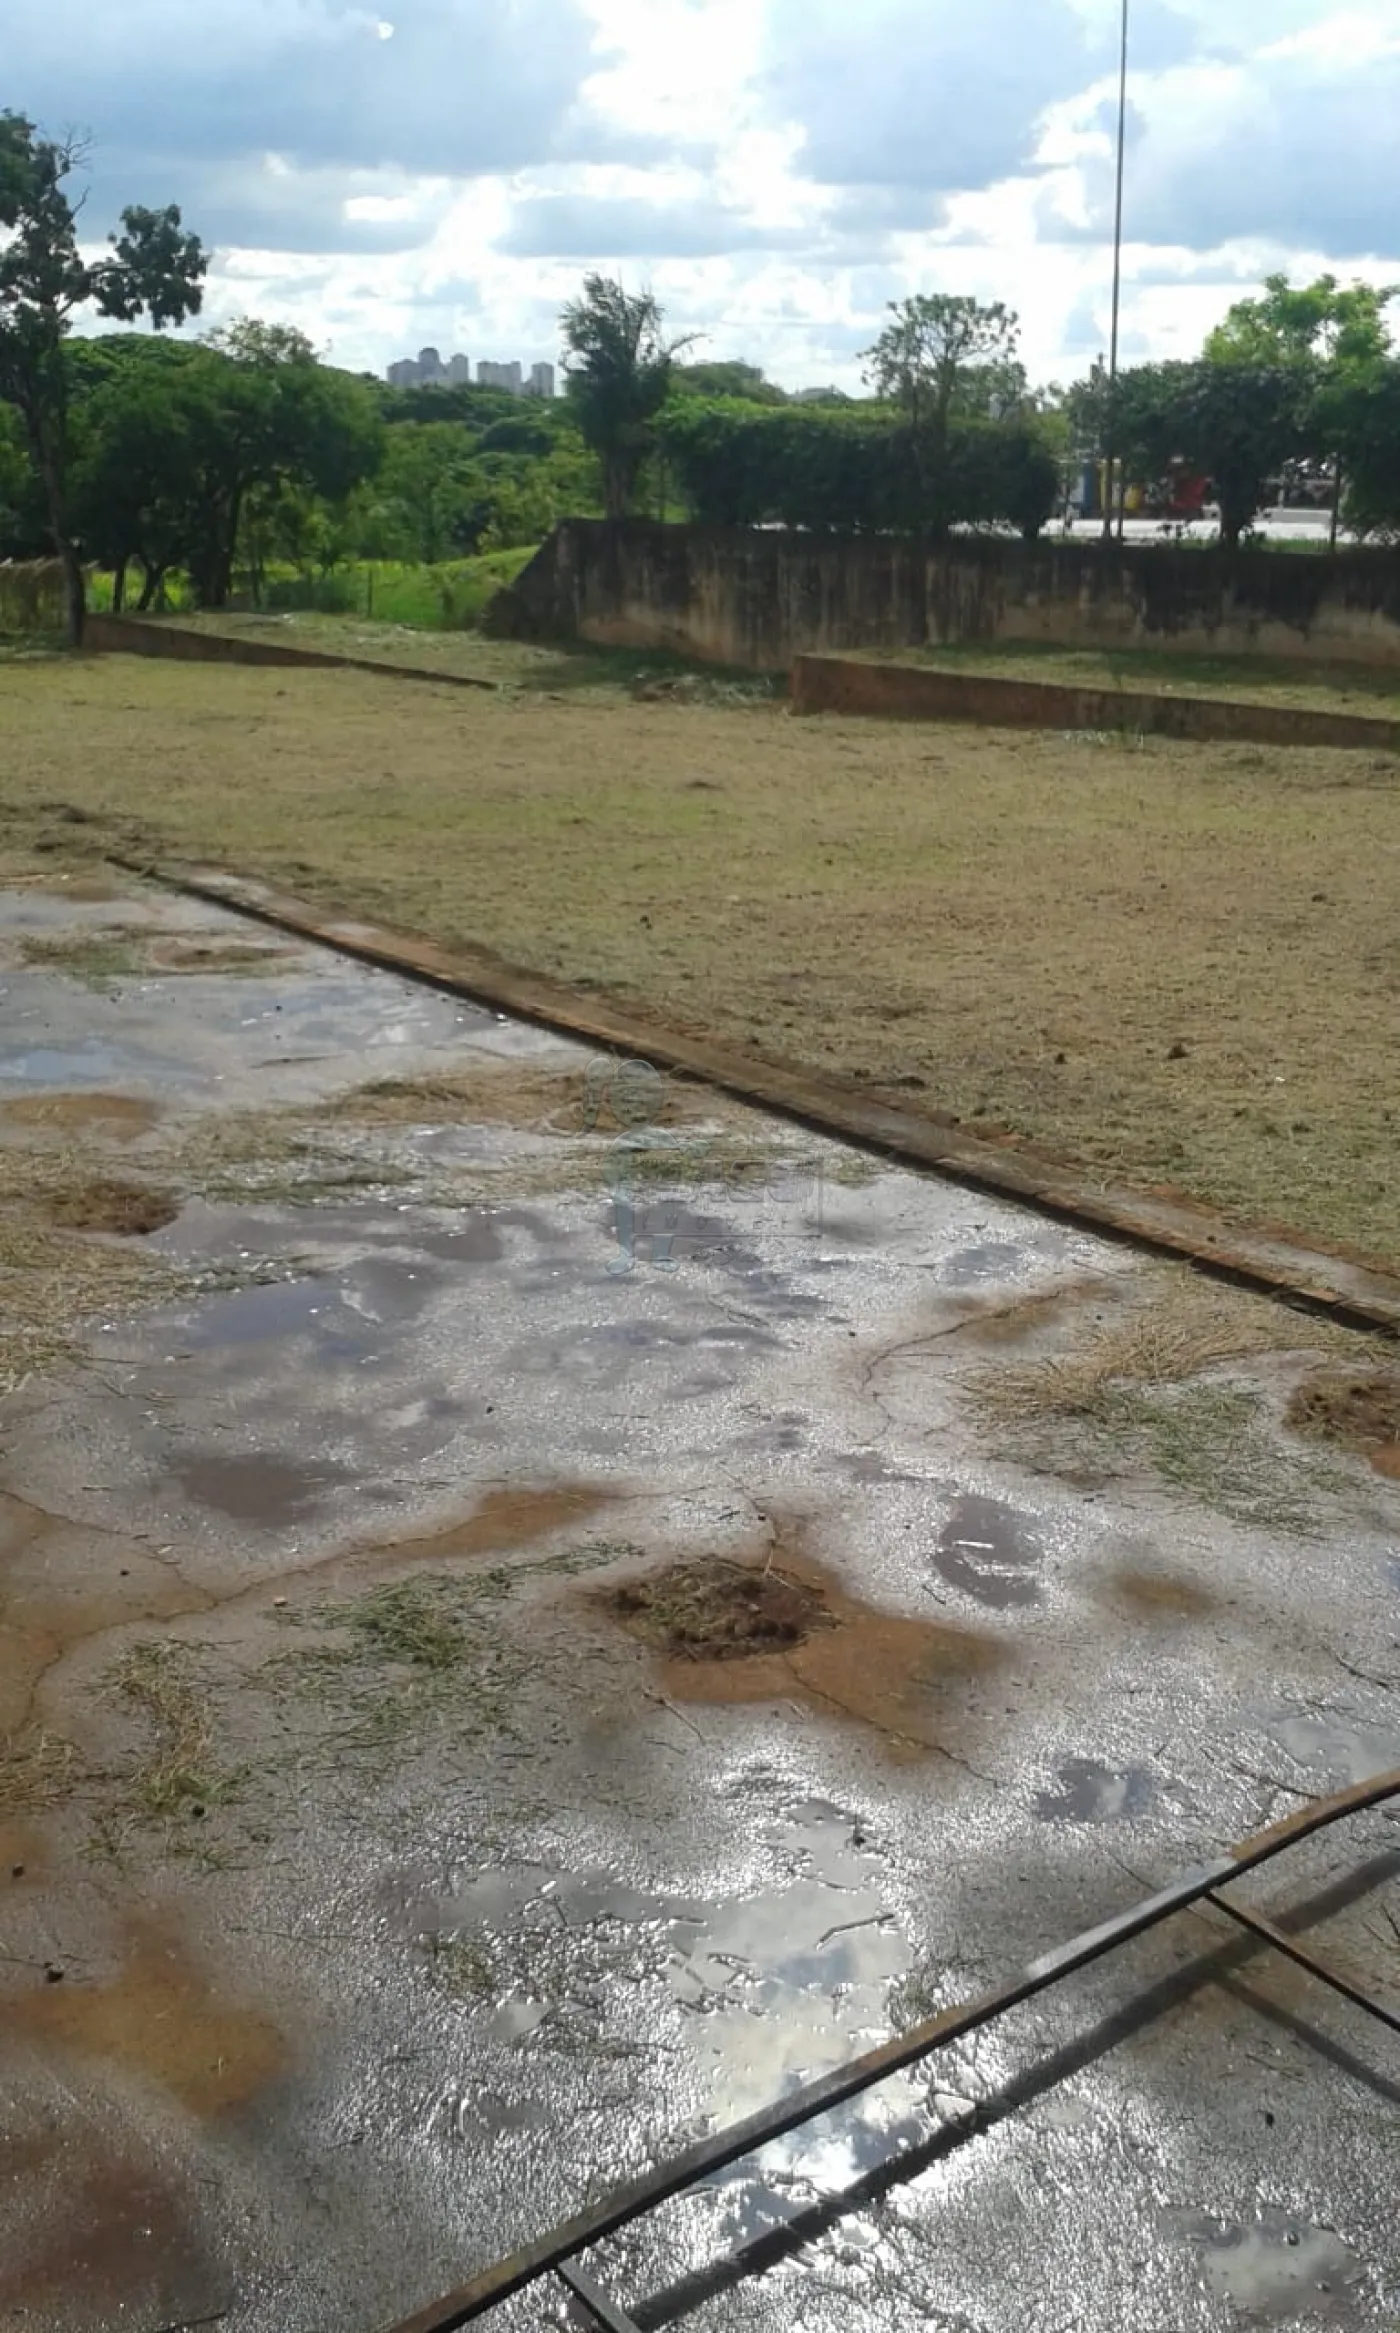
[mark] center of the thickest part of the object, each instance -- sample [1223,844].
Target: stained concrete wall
[759,599]
[912,692]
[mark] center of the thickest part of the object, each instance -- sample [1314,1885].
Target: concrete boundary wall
[129,636]
[914,692]
[759,597]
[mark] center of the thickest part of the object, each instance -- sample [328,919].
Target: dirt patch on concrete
[114,1117]
[607,1097]
[504,1520]
[904,1678]
[720,1611]
[159,2018]
[1010,1321]
[96,957]
[130,1210]
[216,956]
[1151,1595]
[1360,1411]
[124,2240]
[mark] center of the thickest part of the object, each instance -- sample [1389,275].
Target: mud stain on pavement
[1009,1321]
[1154,1595]
[505,1520]
[812,1642]
[1361,1412]
[158,2018]
[116,2246]
[71,1581]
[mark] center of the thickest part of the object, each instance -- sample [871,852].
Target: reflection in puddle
[1344,1753]
[998,1260]
[1281,2270]
[770,1988]
[990,1552]
[1091,1793]
[271,1491]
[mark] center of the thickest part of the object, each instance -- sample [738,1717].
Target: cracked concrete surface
[370,1898]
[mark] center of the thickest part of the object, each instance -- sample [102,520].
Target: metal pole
[1117,296]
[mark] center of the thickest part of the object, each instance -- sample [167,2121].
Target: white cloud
[777,169]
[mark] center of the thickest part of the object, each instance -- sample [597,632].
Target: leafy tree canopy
[152,267]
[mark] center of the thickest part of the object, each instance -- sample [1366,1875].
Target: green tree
[1322,323]
[729,378]
[944,357]
[153,268]
[945,354]
[1333,336]
[1359,409]
[425,496]
[263,417]
[132,480]
[1236,423]
[620,372]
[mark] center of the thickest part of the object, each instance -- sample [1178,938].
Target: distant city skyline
[430,370]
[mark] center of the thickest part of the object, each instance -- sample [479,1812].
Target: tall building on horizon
[428,370]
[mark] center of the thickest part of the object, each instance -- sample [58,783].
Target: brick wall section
[129,636]
[912,692]
[757,598]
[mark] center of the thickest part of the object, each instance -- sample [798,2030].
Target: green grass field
[448,597]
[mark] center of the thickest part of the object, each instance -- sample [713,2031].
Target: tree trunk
[119,587]
[74,593]
[74,581]
[1336,509]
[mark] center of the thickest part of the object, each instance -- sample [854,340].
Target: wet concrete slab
[372,1891]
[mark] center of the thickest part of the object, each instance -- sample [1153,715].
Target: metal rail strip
[555,2255]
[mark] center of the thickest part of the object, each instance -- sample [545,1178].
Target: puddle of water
[990,1552]
[997,1260]
[261,1489]
[274,1314]
[1344,1753]
[770,1986]
[116,1117]
[1091,1793]
[90,1062]
[1280,2270]
[160,2019]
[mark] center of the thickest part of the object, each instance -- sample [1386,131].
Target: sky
[444,172]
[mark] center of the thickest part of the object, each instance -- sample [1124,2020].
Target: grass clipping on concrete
[1163,1392]
[1175,965]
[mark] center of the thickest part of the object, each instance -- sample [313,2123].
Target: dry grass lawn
[1178,964]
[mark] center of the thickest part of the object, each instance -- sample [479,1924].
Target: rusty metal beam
[700,2162]
[1282,1942]
[606,2312]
